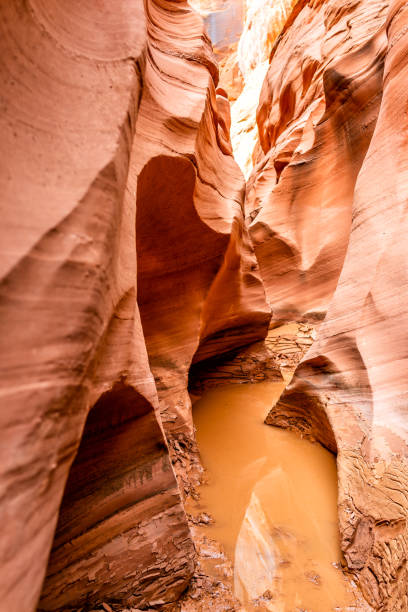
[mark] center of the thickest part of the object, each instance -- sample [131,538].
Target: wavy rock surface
[317,112]
[104,108]
[199,288]
[350,392]
[71,335]
[264,20]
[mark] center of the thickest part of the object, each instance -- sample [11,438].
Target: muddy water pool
[273,497]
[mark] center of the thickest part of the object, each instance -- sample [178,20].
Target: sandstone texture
[231,79]
[263,23]
[199,288]
[350,391]
[136,264]
[317,111]
[243,63]
[273,359]
[124,255]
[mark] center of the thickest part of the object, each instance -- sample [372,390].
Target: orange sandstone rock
[350,391]
[73,358]
[264,20]
[318,108]
[122,228]
[199,288]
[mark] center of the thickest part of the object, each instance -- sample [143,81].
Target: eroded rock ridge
[124,254]
[350,390]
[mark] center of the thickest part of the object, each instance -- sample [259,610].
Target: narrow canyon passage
[204,211]
[273,498]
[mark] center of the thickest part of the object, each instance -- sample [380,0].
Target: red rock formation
[317,112]
[231,79]
[103,105]
[125,259]
[351,390]
[199,288]
[70,328]
[264,20]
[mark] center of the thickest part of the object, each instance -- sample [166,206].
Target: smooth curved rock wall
[70,321]
[96,96]
[200,292]
[318,108]
[350,392]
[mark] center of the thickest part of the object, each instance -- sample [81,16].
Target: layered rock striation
[126,260]
[199,288]
[124,254]
[317,111]
[264,20]
[350,391]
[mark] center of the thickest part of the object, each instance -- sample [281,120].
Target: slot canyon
[204,306]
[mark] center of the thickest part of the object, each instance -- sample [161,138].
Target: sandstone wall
[264,20]
[350,392]
[113,138]
[318,108]
[199,288]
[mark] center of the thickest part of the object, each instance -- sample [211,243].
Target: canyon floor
[264,516]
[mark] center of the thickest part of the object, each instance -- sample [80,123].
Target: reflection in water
[274,500]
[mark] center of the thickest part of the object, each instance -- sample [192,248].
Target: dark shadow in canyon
[110,484]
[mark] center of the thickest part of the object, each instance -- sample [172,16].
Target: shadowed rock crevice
[116,485]
[303,414]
